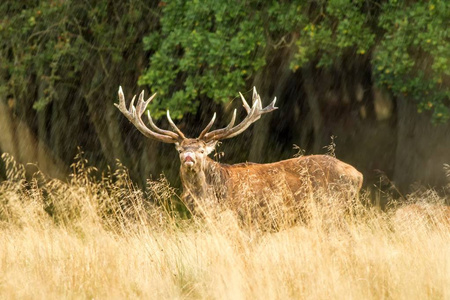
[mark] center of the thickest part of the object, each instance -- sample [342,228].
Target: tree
[62,62]
[212,49]
[206,52]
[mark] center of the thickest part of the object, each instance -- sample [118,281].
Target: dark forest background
[375,75]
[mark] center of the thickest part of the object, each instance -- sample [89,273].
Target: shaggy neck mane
[208,182]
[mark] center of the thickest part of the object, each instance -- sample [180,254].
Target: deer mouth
[189,161]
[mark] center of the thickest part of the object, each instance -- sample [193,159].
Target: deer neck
[194,181]
[201,183]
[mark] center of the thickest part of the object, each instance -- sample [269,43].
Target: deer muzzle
[188,159]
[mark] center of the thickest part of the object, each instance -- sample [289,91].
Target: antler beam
[134,114]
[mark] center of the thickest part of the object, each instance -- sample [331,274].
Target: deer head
[193,152]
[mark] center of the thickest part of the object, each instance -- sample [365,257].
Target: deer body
[299,177]
[207,182]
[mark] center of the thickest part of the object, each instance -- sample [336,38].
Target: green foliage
[54,42]
[409,44]
[413,56]
[209,50]
[335,28]
[205,49]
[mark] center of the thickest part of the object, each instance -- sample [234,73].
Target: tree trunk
[270,82]
[7,137]
[17,139]
[312,96]
[261,127]
[422,148]
[105,119]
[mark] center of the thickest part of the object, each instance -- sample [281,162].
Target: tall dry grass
[101,237]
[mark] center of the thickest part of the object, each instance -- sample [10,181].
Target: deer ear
[210,146]
[178,147]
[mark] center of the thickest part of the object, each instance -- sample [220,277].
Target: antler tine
[217,133]
[208,127]
[210,135]
[139,105]
[153,125]
[131,109]
[134,115]
[254,95]
[159,130]
[142,105]
[174,126]
[233,119]
[244,103]
[271,106]
[253,114]
[121,104]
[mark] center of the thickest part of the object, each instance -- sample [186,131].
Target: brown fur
[209,182]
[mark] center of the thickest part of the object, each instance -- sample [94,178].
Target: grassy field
[102,238]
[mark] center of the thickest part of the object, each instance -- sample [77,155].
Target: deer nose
[189,156]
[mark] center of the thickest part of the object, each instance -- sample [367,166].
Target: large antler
[134,114]
[253,114]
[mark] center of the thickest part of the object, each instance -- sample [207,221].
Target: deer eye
[179,151]
[202,151]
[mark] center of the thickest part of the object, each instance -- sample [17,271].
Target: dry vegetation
[103,238]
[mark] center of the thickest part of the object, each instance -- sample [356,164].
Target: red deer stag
[206,181]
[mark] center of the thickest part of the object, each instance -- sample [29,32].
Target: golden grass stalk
[101,237]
